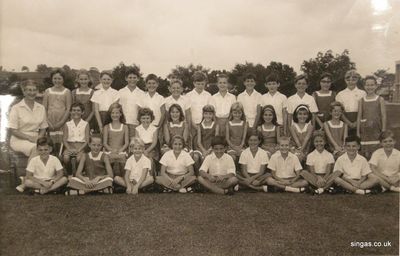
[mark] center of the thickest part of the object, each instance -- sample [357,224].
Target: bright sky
[160,34]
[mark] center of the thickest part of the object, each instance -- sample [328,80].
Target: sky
[160,34]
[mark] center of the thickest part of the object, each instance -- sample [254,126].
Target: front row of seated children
[280,172]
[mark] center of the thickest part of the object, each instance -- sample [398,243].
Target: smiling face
[176,89]
[115,114]
[319,143]
[136,149]
[237,114]
[249,84]
[106,81]
[151,86]
[57,79]
[388,143]
[352,148]
[177,145]
[43,151]
[199,85]
[219,150]
[302,116]
[351,79]
[336,112]
[272,87]
[253,141]
[83,80]
[95,145]
[30,92]
[145,120]
[284,146]
[175,114]
[132,79]
[301,85]
[222,84]
[76,113]
[208,116]
[268,116]
[370,86]
[325,84]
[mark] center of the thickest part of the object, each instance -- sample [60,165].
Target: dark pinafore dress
[370,125]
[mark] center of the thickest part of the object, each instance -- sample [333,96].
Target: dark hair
[370,78]
[57,71]
[273,77]
[28,82]
[218,140]
[110,109]
[301,107]
[176,81]
[386,134]
[254,133]
[179,137]
[270,108]
[95,136]
[44,141]
[199,76]
[223,75]
[300,77]
[105,72]
[79,105]
[249,76]
[326,74]
[132,71]
[151,77]
[145,112]
[179,108]
[353,138]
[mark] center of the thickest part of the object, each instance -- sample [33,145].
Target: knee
[63,180]
[233,180]
[29,183]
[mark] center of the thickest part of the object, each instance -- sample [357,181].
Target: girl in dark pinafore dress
[236,131]
[83,94]
[336,130]
[175,125]
[269,130]
[323,99]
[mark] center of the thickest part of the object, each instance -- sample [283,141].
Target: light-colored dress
[56,108]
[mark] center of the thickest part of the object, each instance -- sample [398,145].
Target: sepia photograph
[225,127]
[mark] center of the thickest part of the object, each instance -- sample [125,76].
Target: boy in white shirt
[356,175]
[251,100]
[217,173]
[198,97]
[222,102]
[176,89]
[44,172]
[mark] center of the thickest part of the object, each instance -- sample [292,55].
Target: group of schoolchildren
[140,140]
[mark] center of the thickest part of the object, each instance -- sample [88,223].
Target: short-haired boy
[285,169]
[217,173]
[251,100]
[357,176]
[198,97]
[44,172]
[385,162]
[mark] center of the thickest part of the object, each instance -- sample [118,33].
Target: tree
[42,68]
[236,77]
[25,69]
[119,76]
[336,64]
[286,76]
[186,73]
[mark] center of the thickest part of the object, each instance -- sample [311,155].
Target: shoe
[265,188]
[20,188]
[236,187]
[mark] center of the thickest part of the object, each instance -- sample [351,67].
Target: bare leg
[147,181]
[211,186]
[120,181]
[344,184]
[188,181]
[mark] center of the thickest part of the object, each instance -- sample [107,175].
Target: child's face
[272,86]
[30,92]
[249,84]
[76,113]
[83,80]
[237,114]
[351,79]
[44,151]
[151,85]
[352,148]
[199,85]
[388,143]
[302,116]
[175,114]
[284,146]
[325,83]
[253,141]
[222,84]
[132,79]
[176,89]
[370,86]
[336,112]
[115,114]
[57,79]
[106,81]
[268,116]
[136,150]
[319,143]
[95,145]
[208,116]
[177,145]
[301,85]
[145,120]
[219,150]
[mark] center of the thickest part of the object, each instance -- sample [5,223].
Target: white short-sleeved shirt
[295,100]
[76,133]
[389,166]
[250,103]
[176,166]
[105,98]
[42,171]
[350,98]
[284,168]
[130,102]
[222,104]
[27,120]
[278,101]
[146,134]
[352,170]
[253,162]
[218,166]
[154,103]
[197,102]
[181,101]
[320,160]
[136,167]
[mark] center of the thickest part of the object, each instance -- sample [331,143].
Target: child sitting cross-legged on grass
[94,172]
[44,172]
[137,169]
[217,173]
[285,170]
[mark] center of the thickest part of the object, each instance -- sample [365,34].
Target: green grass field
[198,224]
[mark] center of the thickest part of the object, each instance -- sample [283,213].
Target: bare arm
[199,143]
[97,115]
[294,136]
[167,139]
[244,135]
[285,121]
[154,142]
[22,135]
[65,137]
[330,137]
[66,113]
[359,115]
[126,139]
[307,139]
[383,113]
[79,170]
[162,118]
[186,134]
[108,167]
[105,139]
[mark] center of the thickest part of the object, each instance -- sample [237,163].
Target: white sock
[362,191]
[395,189]
[182,190]
[236,187]
[265,188]
[319,191]
[292,189]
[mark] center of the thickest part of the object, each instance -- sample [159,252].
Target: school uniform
[253,163]
[136,167]
[222,105]
[250,103]
[320,160]
[337,131]
[270,138]
[56,109]
[176,166]
[76,134]
[43,171]
[218,166]
[352,169]
[154,103]
[147,136]
[78,95]
[387,165]
[370,124]
[176,129]
[197,102]
[294,101]
[105,98]
[323,101]
[116,139]
[236,133]
[207,133]
[301,135]
[181,101]
[284,168]
[131,101]
[278,101]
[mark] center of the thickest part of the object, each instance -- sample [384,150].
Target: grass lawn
[198,224]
